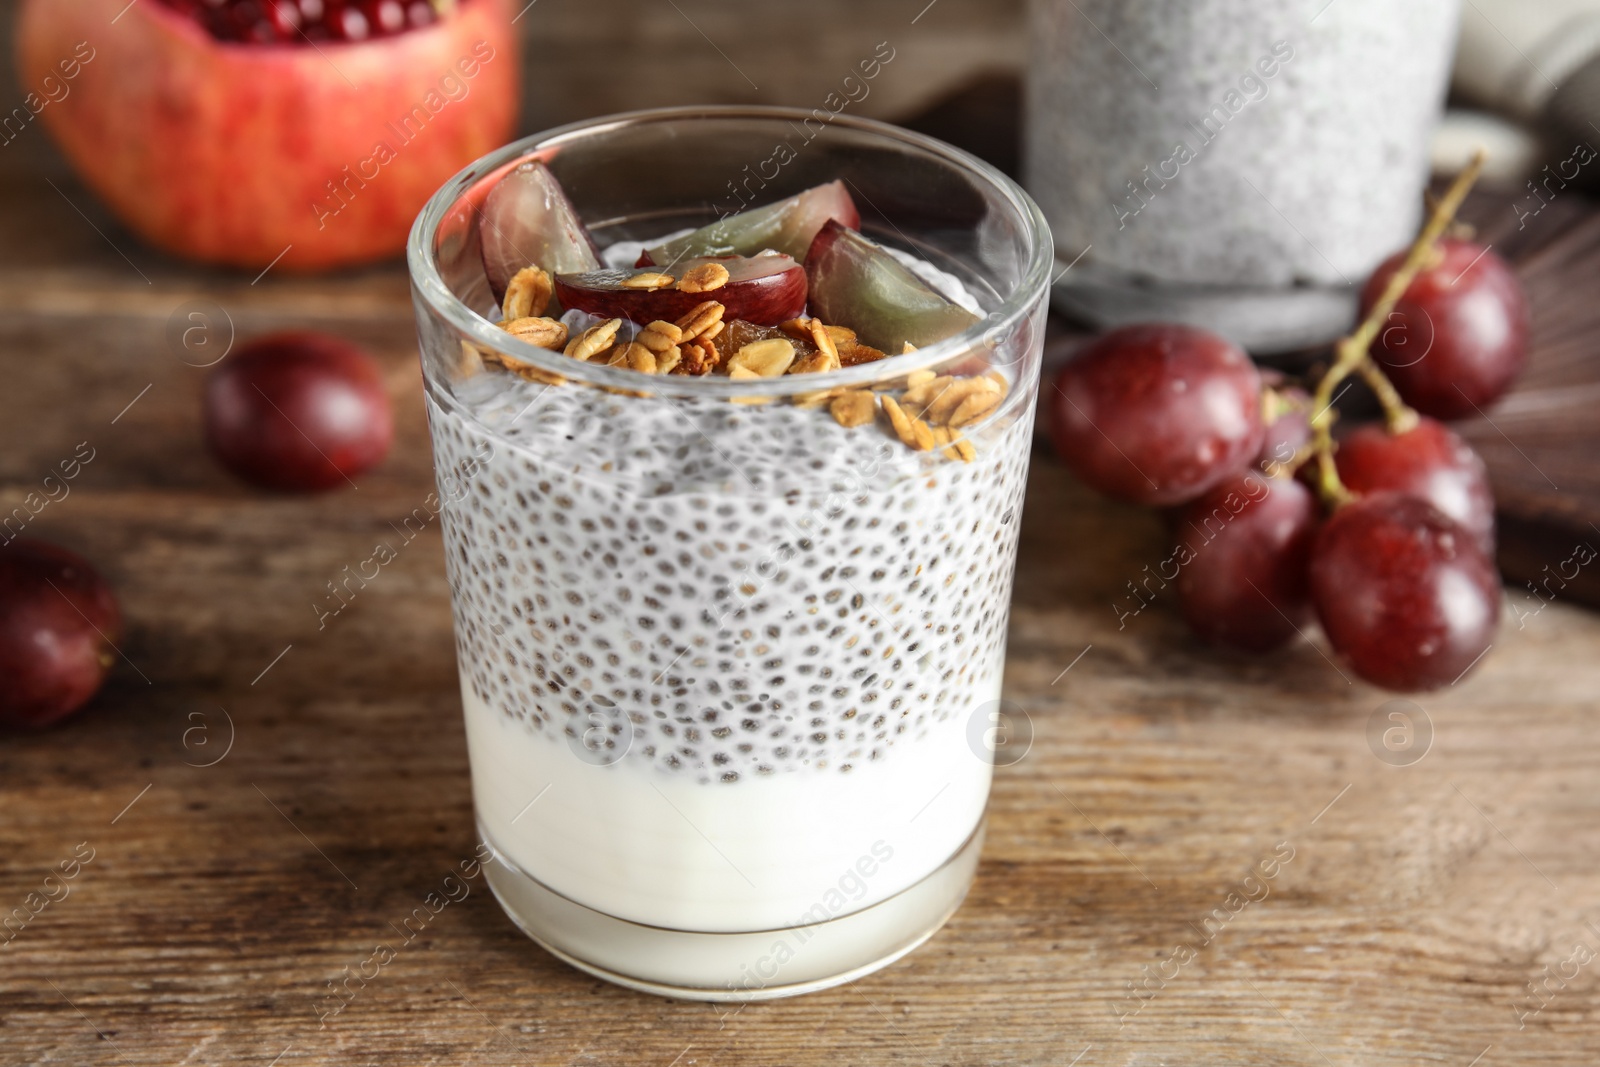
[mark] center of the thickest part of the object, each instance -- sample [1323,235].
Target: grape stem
[1353,353]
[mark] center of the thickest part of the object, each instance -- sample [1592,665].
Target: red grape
[761,289]
[1429,461]
[1458,336]
[1158,413]
[1403,591]
[1245,586]
[58,624]
[298,411]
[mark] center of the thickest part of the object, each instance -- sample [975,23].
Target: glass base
[1264,321]
[734,967]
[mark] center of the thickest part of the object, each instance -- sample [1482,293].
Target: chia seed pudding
[1207,157]
[778,625]
[727,648]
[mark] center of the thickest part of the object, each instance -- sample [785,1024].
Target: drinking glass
[730,669]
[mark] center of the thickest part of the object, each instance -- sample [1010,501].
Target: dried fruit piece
[698,357]
[855,408]
[704,278]
[648,280]
[594,340]
[741,332]
[701,318]
[853,353]
[527,294]
[546,333]
[768,358]
[918,377]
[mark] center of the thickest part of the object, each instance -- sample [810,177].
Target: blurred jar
[1238,164]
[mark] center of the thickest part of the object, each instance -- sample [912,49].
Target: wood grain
[1419,903]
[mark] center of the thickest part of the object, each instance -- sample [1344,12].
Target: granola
[594,340]
[704,278]
[527,294]
[546,333]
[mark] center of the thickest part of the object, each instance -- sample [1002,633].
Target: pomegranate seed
[353,25]
[387,15]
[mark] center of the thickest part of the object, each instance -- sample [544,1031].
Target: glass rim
[427,281]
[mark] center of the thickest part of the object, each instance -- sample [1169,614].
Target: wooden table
[262,799]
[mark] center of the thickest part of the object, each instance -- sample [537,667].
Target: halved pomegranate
[214,129]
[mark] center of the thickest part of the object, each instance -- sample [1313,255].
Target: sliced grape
[788,226]
[527,220]
[764,290]
[857,284]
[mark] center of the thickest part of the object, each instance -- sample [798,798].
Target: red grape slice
[1458,337]
[58,625]
[788,226]
[1158,413]
[1429,461]
[527,220]
[1245,586]
[761,289]
[1403,591]
[855,283]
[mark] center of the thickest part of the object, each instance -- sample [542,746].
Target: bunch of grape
[1386,536]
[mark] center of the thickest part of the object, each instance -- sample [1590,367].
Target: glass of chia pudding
[731,414]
